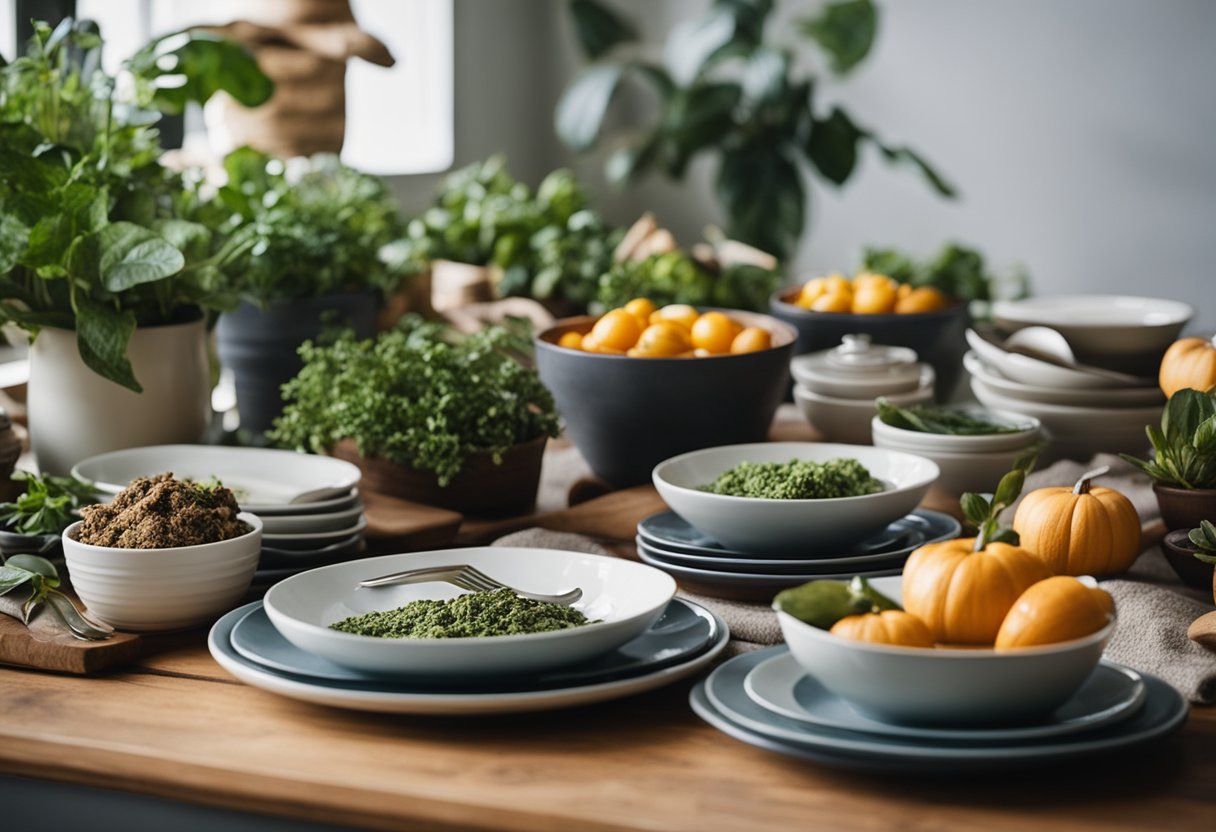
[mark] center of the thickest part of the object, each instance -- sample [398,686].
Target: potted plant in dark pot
[313,234]
[427,414]
[96,259]
[1198,545]
[1183,469]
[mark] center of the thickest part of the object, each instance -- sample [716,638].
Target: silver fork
[467,577]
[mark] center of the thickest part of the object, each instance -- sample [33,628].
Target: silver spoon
[1046,344]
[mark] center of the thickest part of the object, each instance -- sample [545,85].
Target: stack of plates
[310,507]
[766,699]
[701,564]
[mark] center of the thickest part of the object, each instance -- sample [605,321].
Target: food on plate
[796,480]
[928,418]
[640,330]
[822,603]
[1083,530]
[886,627]
[161,512]
[1189,362]
[1057,609]
[472,615]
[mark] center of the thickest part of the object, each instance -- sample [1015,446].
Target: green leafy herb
[676,277]
[956,271]
[420,395]
[1204,539]
[37,574]
[1184,447]
[822,603]
[796,480]
[47,504]
[473,615]
[934,419]
[983,512]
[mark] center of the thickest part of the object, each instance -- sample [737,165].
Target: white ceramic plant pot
[75,413]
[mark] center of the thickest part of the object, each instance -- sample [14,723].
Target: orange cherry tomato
[666,339]
[571,341]
[680,313]
[617,330]
[714,331]
[751,339]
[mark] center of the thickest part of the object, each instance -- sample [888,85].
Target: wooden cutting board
[61,651]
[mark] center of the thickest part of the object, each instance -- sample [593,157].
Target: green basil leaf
[102,335]
[1008,489]
[131,255]
[1006,536]
[192,66]
[976,508]
[12,577]
[845,31]
[33,563]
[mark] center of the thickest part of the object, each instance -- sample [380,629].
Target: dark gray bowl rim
[777,300]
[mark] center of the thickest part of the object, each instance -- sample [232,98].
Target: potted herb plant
[427,414]
[311,234]
[1192,553]
[96,260]
[1183,467]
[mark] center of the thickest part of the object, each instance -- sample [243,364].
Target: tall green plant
[91,237]
[726,88]
[1184,447]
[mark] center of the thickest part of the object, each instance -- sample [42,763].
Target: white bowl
[921,685]
[330,521]
[963,471]
[163,589]
[1100,325]
[1027,370]
[917,441]
[1114,397]
[848,420]
[622,596]
[1080,432]
[815,373]
[760,525]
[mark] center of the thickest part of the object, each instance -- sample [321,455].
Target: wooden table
[176,725]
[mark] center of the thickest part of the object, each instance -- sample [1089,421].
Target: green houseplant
[95,256]
[724,86]
[428,414]
[313,237]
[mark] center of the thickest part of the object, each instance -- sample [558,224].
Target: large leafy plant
[725,87]
[91,235]
[1184,447]
[420,395]
[301,227]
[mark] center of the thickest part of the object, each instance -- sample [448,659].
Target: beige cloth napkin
[1154,608]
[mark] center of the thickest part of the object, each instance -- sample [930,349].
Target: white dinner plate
[780,685]
[260,478]
[1114,397]
[451,704]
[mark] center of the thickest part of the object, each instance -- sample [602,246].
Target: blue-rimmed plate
[401,697]
[723,702]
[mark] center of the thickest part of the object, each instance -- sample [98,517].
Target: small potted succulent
[427,414]
[1192,552]
[1183,467]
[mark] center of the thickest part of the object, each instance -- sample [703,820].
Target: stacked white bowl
[1084,366]
[836,389]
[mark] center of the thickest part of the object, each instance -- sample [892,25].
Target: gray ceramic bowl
[626,415]
[938,337]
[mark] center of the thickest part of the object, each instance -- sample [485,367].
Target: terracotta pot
[481,487]
[1183,508]
[1180,553]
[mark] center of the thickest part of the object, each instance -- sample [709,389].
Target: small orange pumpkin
[1189,362]
[886,627]
[1083,530]
[1055,610]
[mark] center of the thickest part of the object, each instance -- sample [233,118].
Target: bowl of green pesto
[434,629]
[793,496]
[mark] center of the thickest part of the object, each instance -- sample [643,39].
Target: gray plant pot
[260,346]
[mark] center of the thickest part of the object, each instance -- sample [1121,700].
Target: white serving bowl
[817,373]
[1114,397]
[920,685]
[915,441]
[760,525]
[848,420]
[623,597]
[1100,325]
[1080,432]
[163,589]
[977,471]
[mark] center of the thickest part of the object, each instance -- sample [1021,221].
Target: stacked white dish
[1085,409]
[836,389]
[309,505]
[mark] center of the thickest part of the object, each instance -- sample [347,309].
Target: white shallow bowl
[163,589]
[977,471]
[1104,325]
[1032,371]
[919,685]
[1114,397]
[749,524]
[625,597]
[848,420]
[258,477]
[916,441]
[1080,432]
[310,523]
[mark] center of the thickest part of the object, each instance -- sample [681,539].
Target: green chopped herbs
[47,505]
[498,613]
[925,418]
[796,480]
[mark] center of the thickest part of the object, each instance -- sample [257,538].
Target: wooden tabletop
[176,725]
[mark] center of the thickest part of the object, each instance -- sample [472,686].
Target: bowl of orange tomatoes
[641,383]
[825,309]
